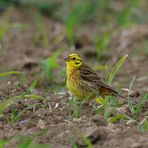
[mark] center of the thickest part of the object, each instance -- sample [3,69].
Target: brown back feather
[93,80]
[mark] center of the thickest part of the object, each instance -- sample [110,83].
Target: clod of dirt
[123,110]
[131,122]
[136,145]
[41,124]
[94,134]
[90,53]
[135,93]
[78,45]
[28,63]
[99,120]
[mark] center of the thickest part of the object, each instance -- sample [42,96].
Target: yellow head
[73,61]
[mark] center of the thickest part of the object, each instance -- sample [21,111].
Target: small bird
[83,82]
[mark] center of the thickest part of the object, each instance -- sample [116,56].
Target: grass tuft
[116,68]
[9,101]
[74,108]
[41,35]
[4,25]
[50,64]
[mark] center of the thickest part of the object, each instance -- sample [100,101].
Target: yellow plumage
[82,81]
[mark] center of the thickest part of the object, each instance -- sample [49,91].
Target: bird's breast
[74,83]
[73,80]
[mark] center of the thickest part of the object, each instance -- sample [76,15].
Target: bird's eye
[74,58]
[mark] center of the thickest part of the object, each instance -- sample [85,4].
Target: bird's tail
[109,91]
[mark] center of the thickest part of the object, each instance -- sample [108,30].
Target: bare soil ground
[49,121]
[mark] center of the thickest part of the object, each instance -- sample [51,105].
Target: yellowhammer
[83,82]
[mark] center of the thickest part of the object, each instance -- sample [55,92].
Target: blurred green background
[36,36]
[45,31]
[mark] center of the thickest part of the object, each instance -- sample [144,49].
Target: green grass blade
[116,68]
[118,117]
[100,100]
[9,101]
[11,73]
[41,35]
[77,113]
[143,126]
[139,107]
[130,104]
[70,106]
[3,143]
[34,84]
[86,141]
[26,144]
[4,25]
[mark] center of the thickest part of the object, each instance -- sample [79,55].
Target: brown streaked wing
[88,74]
[91,79]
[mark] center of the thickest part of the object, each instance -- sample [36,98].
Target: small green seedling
[50,64]
[74,108]
[143,125]
[41,35]
[116,68]
[9,101]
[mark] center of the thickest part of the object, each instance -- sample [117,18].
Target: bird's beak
[67,59]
